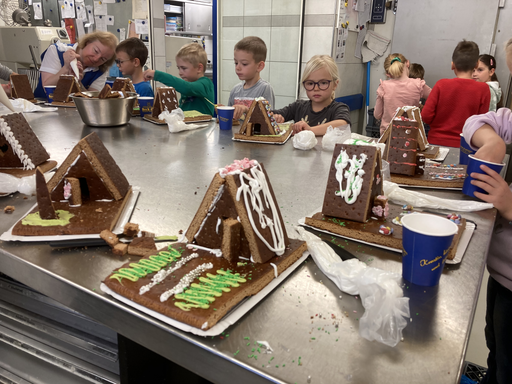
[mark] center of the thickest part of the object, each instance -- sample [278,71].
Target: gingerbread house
[123,84]
[165,100]
[89,189]
[21,88]
[240,216]
[66,85]
[354,182]
[259,120]
[19,145]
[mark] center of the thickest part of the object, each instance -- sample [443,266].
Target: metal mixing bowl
[105,112]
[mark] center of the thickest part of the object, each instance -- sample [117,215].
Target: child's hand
[149,74]
[239,111]
[278,118]
[7,89]
[300,126]
[492,147]
[499,194]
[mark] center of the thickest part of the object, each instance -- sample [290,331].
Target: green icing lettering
[202,294]
[145,266]
[34,219]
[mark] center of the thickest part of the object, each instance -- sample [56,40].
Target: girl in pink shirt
[398,91]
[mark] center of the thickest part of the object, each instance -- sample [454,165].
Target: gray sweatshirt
[5,72]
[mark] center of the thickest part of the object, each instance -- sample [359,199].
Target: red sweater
[450,103]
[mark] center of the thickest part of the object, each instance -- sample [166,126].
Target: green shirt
[194,95]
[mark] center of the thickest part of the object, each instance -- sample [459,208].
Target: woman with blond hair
[399,91]
[320,80]
[95,53]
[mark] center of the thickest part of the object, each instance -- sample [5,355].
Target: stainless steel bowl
[105,112]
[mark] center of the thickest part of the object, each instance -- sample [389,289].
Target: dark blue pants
[498,334]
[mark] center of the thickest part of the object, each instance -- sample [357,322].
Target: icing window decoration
[352,171]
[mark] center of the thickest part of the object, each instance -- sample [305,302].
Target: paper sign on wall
[90,14]
[67,9]
[122,34]
[110,19]
[140,9]
[38,11]
[101,23]
[81,12]
[141,27]
[109,1]
[80,28]
[100,8]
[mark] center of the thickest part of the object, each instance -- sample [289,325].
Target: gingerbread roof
[66,85]
[228,220]
[353,183]
[91,163]
[165,100]
[21,87]
[413,115]
[19,145]
[123,84]
[259,120]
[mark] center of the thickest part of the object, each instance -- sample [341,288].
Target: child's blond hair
[322,61]
[194,53]
[394,65]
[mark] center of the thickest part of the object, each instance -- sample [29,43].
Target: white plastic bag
[175,121]
[386,310]
[335,136]
[10,184]
[304,140]
[400,195]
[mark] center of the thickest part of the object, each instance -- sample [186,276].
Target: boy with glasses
[131,55]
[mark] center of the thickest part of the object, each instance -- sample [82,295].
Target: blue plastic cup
[49,89]
[109,82]
[225,115]
[465,151]
[146,105]
[474,166]
[426,240]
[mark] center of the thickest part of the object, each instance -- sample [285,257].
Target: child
[196,90]
[485,72]
[131,57]
[416,71]
[320,79]
[400,90]
[250,56]
[488,133]
[452,101]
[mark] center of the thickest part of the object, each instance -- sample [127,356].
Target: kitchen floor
[477,350]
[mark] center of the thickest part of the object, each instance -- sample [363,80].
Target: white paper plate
[461,247]
[231,317]
[118,229]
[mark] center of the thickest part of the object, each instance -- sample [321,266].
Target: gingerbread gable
[19,145]
[227,213]
[411,115]
[354,182]
[66,85]
[165,100]
[259,120]
[21,88]
[100,178]
[123,84]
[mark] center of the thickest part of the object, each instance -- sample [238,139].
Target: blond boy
[196,90]
[250,55]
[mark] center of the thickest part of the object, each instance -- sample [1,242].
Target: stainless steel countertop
[173,172]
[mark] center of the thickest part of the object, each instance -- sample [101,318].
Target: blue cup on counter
[146,105]
[109,82]
[465,151]
[426,241]
[49,89]
[225,115]
[474,166]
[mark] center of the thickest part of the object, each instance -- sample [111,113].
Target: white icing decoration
[163,273]
[243,258]
[275,269]
[216,252]
[5,130]
[218,224]
[205,324]
[257,196]
[211,209]
[185,281]
[354,176]
[396,222]
[266,345]
[252,260]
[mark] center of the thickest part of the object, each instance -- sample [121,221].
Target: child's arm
[378,110]
[499,193]
[240,109]
[425,90]
[186,88]
[286,113]
[428,113]
[318,130]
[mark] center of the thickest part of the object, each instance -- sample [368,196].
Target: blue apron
[88,79]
